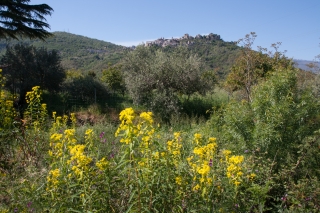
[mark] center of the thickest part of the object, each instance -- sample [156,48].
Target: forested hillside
[77,52]
[218,55]
[87,54]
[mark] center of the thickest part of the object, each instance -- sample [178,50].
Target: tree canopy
[155,78]
[20,19]
[113,77]
[27,66]
[253,66]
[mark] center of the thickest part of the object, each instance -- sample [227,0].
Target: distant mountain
[87,54]
[77,52]
[303,64]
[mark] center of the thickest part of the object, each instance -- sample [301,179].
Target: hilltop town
[186,39]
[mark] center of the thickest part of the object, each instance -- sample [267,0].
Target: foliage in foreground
[146,169]
[282,122]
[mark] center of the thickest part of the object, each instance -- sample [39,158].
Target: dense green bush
[155,78]
[85,89]
[282,122]
[279,117]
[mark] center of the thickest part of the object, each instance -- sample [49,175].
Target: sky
[295,23]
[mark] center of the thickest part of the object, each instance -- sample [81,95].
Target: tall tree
[113,77]
[19,19]
[28,66]
[155,78]
[253,66]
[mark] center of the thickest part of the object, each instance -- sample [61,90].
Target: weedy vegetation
[174,148]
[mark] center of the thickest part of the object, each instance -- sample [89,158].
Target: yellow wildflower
[196,187]
[156,155]
[141,163]
[251,176]
[204,170]
[147,116]
[237,183]
[52,178]
[178,180]
[56,137]
[102,164]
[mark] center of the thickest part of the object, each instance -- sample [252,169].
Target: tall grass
[55,163]
[200,106]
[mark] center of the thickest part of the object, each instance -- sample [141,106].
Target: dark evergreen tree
[27,66]
[19,19]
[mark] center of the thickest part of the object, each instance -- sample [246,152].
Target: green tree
[113,77]
[20,19]
[155,78]
[84,89]
[253,66]
[27,66]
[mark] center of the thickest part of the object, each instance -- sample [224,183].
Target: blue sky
[295,23]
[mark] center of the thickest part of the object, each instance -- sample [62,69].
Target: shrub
[278,122]
[155,79]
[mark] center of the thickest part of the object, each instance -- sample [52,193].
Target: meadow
[203,126]
[259,156]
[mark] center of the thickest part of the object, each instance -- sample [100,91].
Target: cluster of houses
[186,39]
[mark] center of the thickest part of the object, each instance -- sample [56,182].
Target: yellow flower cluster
[52,179]
[147,116]
[138,132]
[54,115]
[178,180]
[202,160]
[145,130]
[234,170]
[251,176]
[133,127]
[126,117]
[102,164]
[174,147]
[206,151]
[7,111]
[36,113]
[56,145]
[79,160]
[89,135]
[197,138]
[61,122]
[34,94]
[65,120]
[156,155]
[56,122]
[72,163]
[59,142]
